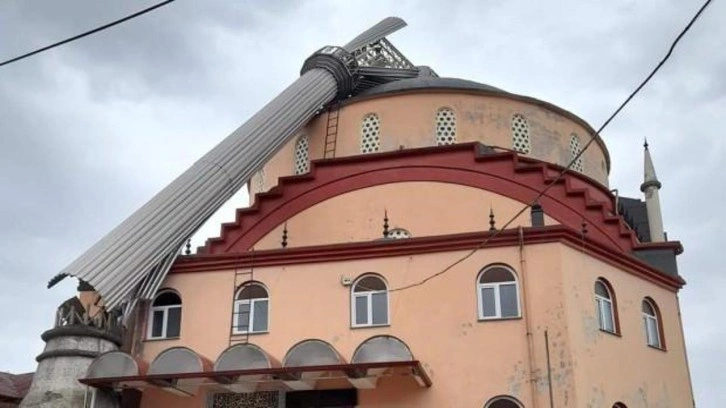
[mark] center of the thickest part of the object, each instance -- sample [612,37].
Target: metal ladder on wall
[241,276]
[331,133]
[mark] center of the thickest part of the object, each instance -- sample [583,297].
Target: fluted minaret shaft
[650,188]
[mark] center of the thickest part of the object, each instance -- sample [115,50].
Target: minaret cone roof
[649,177]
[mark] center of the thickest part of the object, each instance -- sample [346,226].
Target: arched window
[606,306]
[652,323]
[370,134]
[165,316]
[251,309]
[619,405]
[302,160]
[503,402]
[520,134]
[369,302]
[575,149]
[445,127]
[498,293]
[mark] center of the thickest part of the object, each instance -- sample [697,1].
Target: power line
[87,33]
[566,168]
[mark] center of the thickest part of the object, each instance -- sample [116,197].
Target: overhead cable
[87,33]
[566,168]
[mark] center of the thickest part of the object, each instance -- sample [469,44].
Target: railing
[76,315]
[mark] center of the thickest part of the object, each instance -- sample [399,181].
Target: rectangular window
[361,310]
[652,332]
[173,322]
[488,302]
[508,298]
[606,315]
[242,317]
[157,325]
[379,303]
[259,316]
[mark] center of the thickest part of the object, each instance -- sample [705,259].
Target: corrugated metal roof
[132,259]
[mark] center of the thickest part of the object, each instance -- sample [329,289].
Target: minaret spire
[650,187]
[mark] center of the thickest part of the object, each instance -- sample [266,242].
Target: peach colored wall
[623,368]
[437,322]
[440,208]
[408,120]
[468,361]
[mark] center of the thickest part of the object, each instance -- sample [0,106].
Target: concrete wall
[409,121]
[55,383]
[422,208]
[469,361]
[623,367]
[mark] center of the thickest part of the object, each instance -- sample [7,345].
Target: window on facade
[575,149]
[520,134]
[503,402]
[370,134]
[619,405]
[165,316]
[605,303]
[251,309]
[369,302]
[445,127]
[498,293]
[302,159]
[651,321]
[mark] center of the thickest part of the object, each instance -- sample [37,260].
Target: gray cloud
[91,130]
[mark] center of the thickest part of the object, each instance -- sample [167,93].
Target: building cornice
[426,245]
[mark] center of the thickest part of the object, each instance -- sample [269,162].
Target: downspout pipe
[527,319]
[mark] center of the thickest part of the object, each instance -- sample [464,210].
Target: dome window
[445,127]
[302,159]
[575,149]
[370,134]
[520,134]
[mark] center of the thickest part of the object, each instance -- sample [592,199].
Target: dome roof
[427,82]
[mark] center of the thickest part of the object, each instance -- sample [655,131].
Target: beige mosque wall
[439,320]
[421,208]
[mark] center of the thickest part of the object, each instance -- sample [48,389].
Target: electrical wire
[87,33]
[593,137]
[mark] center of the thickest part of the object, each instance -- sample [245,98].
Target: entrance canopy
[310,364]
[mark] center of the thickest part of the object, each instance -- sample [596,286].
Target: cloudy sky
[91,130]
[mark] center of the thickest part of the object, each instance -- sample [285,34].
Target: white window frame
[654,318]
[600,303]
[497,296]
[369,304]
[251,316]
[164,319]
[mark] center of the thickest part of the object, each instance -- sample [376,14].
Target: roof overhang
[358,375]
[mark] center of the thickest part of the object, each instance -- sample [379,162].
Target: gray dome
[426,82]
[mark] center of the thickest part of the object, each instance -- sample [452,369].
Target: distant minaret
[650,187]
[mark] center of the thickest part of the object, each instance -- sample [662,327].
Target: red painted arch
[574,200]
